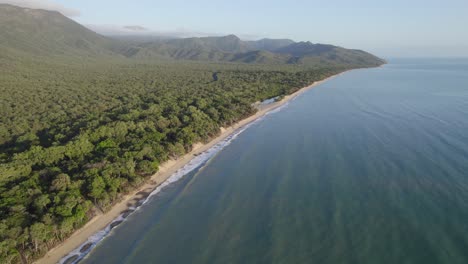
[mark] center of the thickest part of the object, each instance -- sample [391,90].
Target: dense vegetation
[78,137]
[81,125]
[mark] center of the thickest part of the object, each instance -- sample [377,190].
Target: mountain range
[35,32]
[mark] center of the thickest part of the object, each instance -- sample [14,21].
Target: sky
[391,28]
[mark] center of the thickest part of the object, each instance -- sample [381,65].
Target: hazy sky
[388,28]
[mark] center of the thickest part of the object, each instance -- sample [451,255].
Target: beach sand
[100,221]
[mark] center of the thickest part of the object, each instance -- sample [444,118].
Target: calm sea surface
[370,167]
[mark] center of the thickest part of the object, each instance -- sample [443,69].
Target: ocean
[368,167]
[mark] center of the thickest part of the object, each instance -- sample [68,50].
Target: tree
[60,183]
[146,167]
[41,202]
[38,233]
[96,188]
[66,202]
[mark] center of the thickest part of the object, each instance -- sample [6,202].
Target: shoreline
[166,170]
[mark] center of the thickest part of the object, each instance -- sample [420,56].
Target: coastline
[168,168]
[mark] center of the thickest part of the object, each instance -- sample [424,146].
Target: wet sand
[101,220]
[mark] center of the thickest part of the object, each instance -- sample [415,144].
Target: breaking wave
[197,162]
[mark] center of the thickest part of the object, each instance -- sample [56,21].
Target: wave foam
[84,249]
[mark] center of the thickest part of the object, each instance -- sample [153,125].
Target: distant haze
[397,28]
[44,4]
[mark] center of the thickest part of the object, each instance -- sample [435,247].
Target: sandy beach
[166,169]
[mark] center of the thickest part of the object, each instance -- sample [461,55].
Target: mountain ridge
[40,32]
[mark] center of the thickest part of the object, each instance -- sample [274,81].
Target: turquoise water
[370,167]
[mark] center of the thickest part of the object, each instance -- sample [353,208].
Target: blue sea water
[369,167]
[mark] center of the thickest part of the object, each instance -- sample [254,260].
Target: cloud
[137,30]
[43,4]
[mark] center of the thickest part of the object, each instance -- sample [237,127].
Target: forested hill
[86,119]
[40,32]
[267,51]
[35,32]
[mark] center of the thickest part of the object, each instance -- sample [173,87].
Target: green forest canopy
[79,131]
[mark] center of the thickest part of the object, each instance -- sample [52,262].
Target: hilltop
[33,32]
